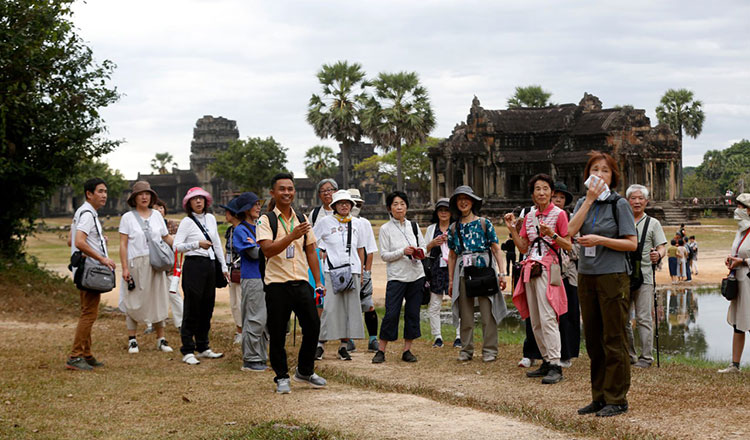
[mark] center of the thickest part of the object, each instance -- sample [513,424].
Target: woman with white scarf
[738,261]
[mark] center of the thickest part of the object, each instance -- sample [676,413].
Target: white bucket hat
[356,196]
[341,195]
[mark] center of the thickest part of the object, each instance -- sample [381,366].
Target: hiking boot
[554,375]
[282,386]
[319,353]
[133,346]
[343,354]
[438,343]
[642,363]
[350,347]
[464,356]
[541,371]
[78,364]
[208,354]
[313,379]
[457,343]
[190,359]
[373,346]
[612,410]
[591,408]
[93,362]
[253,366]
[162,345]
[379,357]
[407,356]
[730,369]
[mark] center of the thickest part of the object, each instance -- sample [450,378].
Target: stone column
[433,180]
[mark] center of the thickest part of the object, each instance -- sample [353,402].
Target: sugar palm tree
[161,160]
[335,113]
[530,96]
[320,162]
[399,113]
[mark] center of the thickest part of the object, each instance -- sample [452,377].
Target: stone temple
[497,151]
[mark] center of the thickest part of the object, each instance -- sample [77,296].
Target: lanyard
[291,224]
[401,230]
[737,252]
[593,224]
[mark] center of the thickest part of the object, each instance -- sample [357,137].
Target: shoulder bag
[479,281]
[160,254]
[90,274]
[341,276]
[636,275]
[219,279]
[730,285]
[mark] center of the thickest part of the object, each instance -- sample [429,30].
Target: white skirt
[149,301]
[342,313]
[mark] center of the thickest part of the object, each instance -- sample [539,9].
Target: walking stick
[656,315]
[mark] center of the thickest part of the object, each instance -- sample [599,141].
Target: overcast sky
[255,62]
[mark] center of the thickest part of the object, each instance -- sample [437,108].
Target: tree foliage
[399,113]
[52,92]
[530,96]
[719,171]
[335,113]
[320,163]
[89,169]
[160,162]
[250,164]
[681,113]
[416,166]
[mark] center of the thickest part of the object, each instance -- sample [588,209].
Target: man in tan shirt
[288,243]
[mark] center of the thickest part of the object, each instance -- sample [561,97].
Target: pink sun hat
[195,192]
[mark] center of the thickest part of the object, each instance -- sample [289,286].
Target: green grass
[284,430]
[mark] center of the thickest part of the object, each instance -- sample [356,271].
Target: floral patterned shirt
[474,237]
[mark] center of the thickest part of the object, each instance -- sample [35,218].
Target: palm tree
[160,161]
[530,96]
[401,114]
[680,112]
[320,162]
[335,113]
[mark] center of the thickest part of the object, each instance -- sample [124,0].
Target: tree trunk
[399,172]
[345,151]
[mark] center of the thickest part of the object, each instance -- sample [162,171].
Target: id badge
[443,263]
[467,260]
[290,251]
[589,251]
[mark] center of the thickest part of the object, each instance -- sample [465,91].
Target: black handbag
[729,287]
[479,281]
[636,274]
[220,281]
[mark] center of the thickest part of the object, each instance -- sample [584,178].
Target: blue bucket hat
[241,203]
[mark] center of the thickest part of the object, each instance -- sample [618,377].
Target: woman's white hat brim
[342,195]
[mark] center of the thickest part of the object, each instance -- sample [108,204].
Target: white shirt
[370,245]
[137,245]
[332,237]
[394,237]
[188,238]
[321,215]
[88,224]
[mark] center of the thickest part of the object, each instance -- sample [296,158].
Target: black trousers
[199,288]
[281,300]
[395,292]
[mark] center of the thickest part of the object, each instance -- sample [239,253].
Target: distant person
[681,231]
[325,190]
[693,246]
[510,254]
[672,260]
[232,257]
[439,252]
[175,300]
[683,275]
[642,299]
[729,195]
[198,238]
[145,291]
[86,236]
[289,247]
[738,315]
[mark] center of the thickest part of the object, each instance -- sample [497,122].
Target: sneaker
[373,346]
[554,375]
[379,357]
[237,338]
[567,363]
[464,356]
[133,346]
[489,358]
[313,379]
[408,356]
[163,345]
[730,369]
[343,354]
[149,329]
[612,410]
[457,343]
[78,364]
[591,408]
[350,347]
[190,359]
[253,366]
[438,343]
[524,363]
[319,353]
[541,371]
[282,386]
[642,363]
[93,362]
[208,354]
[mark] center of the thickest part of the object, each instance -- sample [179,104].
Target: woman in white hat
[343,239]
[198,237]
[144,292]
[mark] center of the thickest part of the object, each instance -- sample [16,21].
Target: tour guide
[289,246]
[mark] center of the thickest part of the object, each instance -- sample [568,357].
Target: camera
[131,284]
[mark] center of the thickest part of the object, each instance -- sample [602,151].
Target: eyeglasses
[327,191]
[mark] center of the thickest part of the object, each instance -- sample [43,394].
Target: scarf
[341,219]
[741,215]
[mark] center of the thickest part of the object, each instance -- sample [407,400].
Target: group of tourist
[594,265]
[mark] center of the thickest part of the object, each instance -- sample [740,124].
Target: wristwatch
[554,236]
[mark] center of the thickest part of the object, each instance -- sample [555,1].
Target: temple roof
[532,120]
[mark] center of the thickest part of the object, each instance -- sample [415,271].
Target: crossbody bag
[160,254]
[479,281]
[219,279]
[341,276]
[90,274]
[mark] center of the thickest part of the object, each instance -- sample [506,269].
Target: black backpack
[635,257]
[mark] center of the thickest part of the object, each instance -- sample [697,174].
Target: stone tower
[210,136]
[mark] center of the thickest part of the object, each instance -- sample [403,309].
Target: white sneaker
[208,354]
[566,363]
[133,346]
[524,363]
[162,345]
[237,338]
[730,369]
[190,359]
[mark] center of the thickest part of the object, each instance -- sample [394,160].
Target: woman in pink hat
[198,238]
